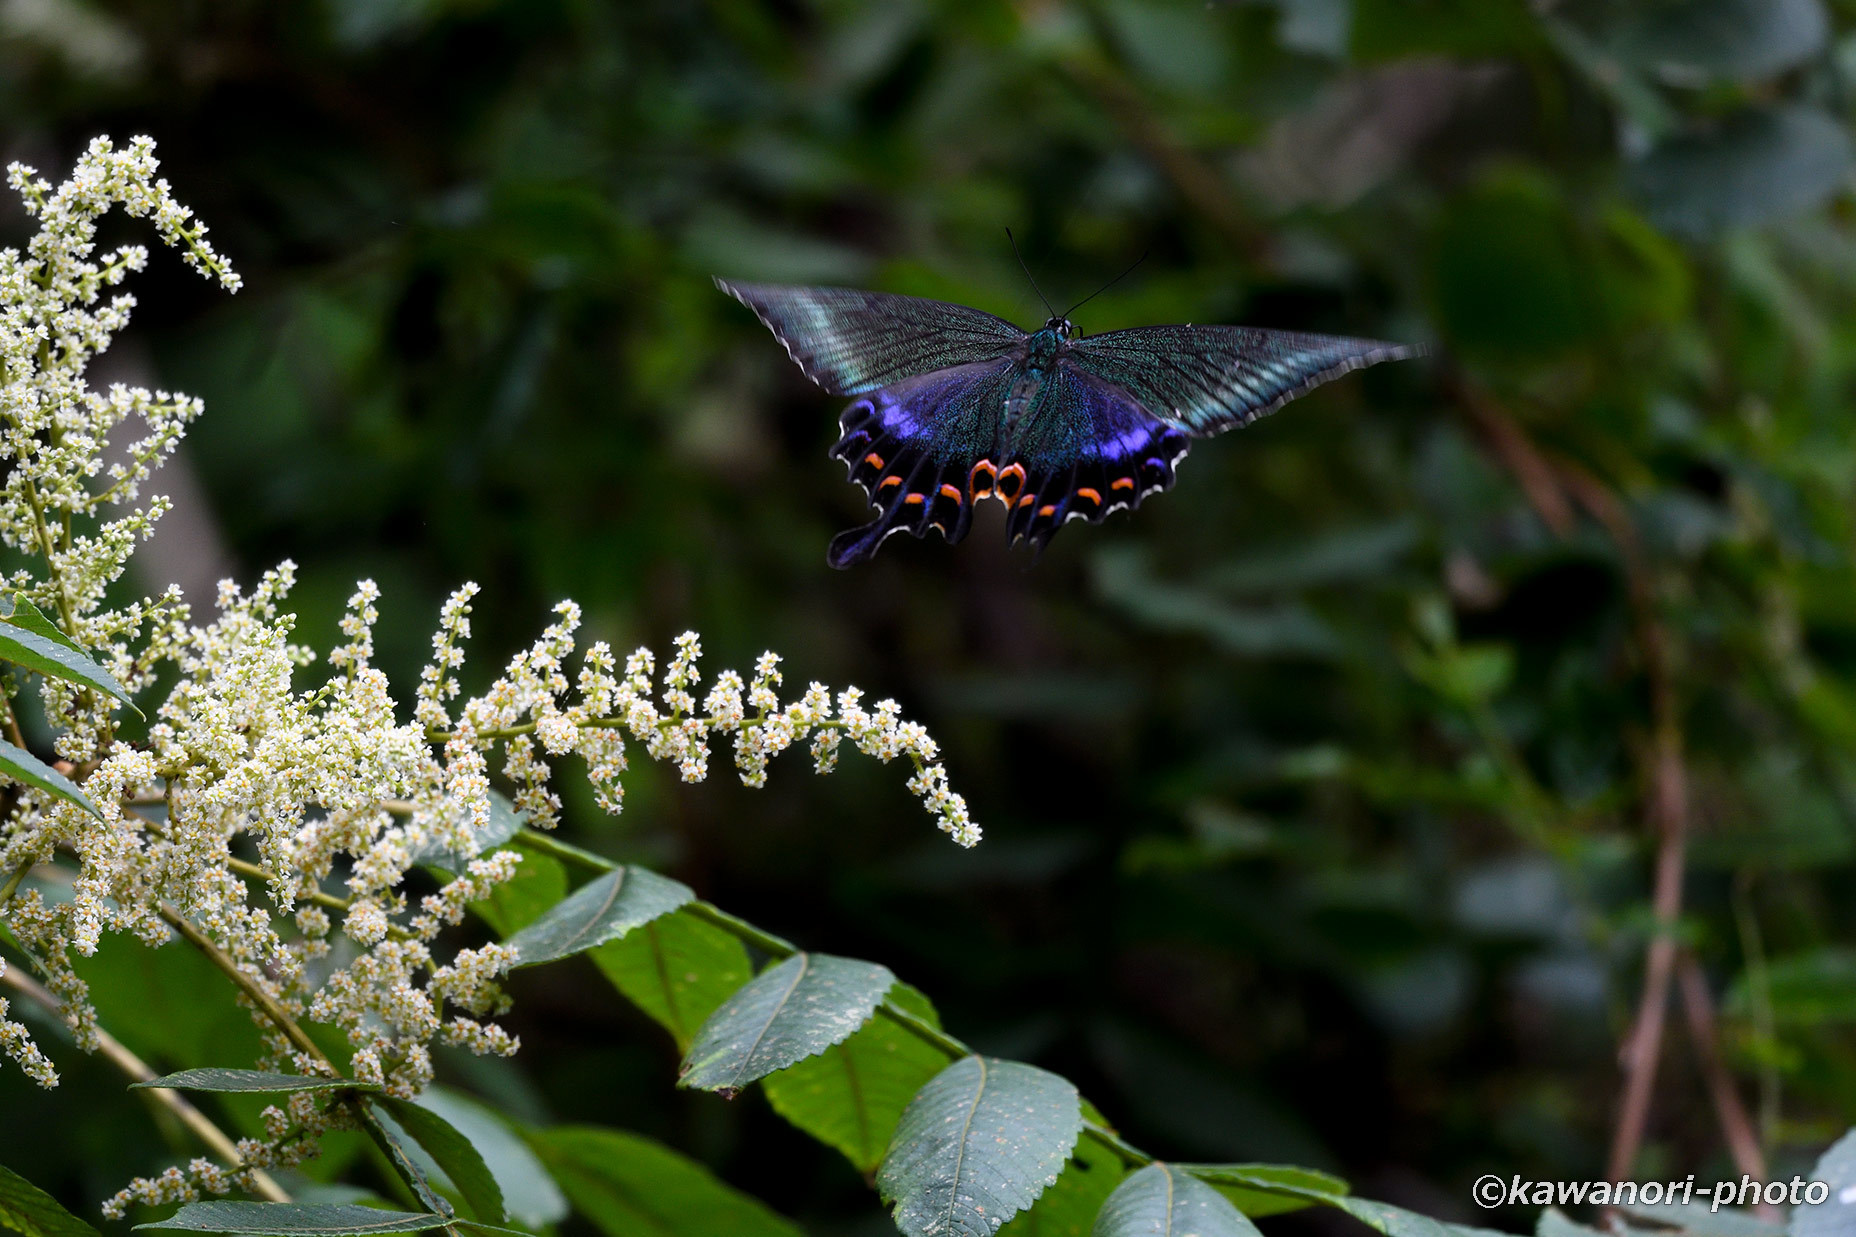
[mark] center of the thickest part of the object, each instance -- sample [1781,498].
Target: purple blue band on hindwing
[956,406]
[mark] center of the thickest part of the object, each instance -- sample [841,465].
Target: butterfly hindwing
[913,447]
[1088,448]
[1208,379]
[851,342]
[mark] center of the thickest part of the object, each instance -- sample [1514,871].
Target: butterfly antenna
[1105,287]
[1028,274]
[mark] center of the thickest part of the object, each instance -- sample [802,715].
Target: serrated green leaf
[1162,1201]
[787,1013]
[540,883]
[678,969]
[1069,1207]
[599,911]
[1836,1215]
[453,1153]
[31,1212]
[29,639]
[293,1219]
[977,1145]
[1268,1189]
[851,1095]
[22,766]
[624,1185]
[215,1079]
[530,1197]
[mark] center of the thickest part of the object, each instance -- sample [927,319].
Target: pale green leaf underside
[1162,1201]
[22,766]
[599,911]
[453,1153]
[787,1013]
[293,1219]
[31,1212]
[1269,1189]
[214,1079]
[1069,1207]
[977,1145]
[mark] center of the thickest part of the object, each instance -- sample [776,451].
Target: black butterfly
[955,405]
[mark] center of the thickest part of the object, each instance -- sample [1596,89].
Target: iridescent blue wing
[1206,379]
[851,342]
[1083,449]
[917,447]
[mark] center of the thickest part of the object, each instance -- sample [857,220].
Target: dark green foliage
[604,909]
[1162,1200]
[31,1212]
[453,1153]
[677,969]
[292,1219]
[252,1080]
[624,1184]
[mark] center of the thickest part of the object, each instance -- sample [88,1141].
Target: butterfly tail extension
[912,491]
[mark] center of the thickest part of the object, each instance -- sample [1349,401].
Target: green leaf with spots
[31,1212]
[851,1095]
[787,1013]
[1163,1201]
[676,968]
[627,1185]
[977,1145]
[1069,1207]
[599,911]
[19,765]
[294,1219]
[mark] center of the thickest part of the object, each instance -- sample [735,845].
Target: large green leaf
[599,911]
[20,765]
[530,1197]
[540,883]
[1162,1201]
[1810,988]
[977,1145]
[31,1212]
[1836,1215]
[1756,166]
[851,1095]
[1069,1207]
[294,1219]
[1694,40]
[678,969]
[29,639]
[787,1013]
[627,1185]
[215,1079]
[453,1153]
[1268,1189]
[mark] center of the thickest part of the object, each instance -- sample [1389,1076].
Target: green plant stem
[12,882]
[778,947]
[113,1049]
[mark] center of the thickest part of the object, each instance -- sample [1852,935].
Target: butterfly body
[952,406]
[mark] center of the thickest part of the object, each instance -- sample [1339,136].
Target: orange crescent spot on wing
[973,480]
[874,460]
[1121,483]
[1048,509]
[913,500]
[1017,473]
[1027,500]
[886,482]
[1092,495]
[951,491]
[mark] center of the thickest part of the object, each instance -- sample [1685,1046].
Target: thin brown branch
[118,1054]
[1704,1033]
[1532,471]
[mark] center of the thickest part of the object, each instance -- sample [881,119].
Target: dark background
[1316,792]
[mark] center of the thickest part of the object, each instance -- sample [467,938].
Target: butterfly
[954,405]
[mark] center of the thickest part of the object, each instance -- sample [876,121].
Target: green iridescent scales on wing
[955,406]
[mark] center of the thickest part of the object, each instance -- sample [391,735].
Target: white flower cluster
[273,827]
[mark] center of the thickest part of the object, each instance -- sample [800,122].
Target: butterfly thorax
[1042,348]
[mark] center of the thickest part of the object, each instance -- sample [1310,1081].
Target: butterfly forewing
[1207,379]
[851,342]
